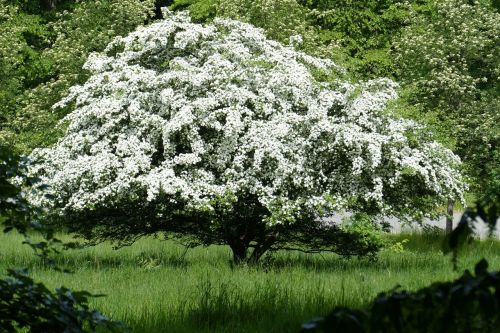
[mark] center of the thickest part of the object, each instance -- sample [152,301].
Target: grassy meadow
[156,286]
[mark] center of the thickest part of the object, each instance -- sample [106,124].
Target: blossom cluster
[193,112]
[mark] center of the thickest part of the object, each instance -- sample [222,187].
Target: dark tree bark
[48,4]
[240,250]
[240,246]
[449,216]
[263,247]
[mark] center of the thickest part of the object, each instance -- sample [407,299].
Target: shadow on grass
[142,260]
[337,265]
[413,251]
[222,307]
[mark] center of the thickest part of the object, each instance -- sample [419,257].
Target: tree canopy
[197,124]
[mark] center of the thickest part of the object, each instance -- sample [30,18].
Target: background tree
[449,58]
[218,133]
[41,55]
[357,34]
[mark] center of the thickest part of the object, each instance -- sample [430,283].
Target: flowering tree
[214,131]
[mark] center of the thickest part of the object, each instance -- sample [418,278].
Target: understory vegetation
[156,286]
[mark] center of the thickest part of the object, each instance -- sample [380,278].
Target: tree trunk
[48,4]
[262,248]
[449,216]
[239,251]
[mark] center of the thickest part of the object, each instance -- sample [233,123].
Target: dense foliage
[449,58]
[42,51]
[357,34]
[468,304]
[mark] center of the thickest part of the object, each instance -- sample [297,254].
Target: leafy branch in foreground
[24,304]
[15,211]
[486,209]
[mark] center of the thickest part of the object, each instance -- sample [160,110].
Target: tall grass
[156,286]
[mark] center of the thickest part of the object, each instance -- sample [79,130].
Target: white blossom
[197,111]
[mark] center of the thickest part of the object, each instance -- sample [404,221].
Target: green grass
[154,286]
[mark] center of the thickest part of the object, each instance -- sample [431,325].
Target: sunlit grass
[156,286]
